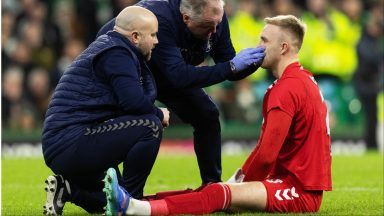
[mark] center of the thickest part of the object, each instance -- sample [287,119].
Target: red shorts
[286,196]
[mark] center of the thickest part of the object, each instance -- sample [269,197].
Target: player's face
[148,40]
[206,26]
[270,39]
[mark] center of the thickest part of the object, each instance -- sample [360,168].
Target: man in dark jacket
[102,113]
[189,31]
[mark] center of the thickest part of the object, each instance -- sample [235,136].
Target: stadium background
[41,38]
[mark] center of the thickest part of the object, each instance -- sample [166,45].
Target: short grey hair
[195,8]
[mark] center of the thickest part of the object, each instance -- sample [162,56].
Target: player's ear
[284,48]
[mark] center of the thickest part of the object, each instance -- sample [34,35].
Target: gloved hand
[247,57]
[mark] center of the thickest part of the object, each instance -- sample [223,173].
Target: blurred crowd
[343,47]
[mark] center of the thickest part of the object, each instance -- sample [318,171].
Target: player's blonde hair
[292,24]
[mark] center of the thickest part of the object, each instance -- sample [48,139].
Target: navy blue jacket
[178,52]
[109,79]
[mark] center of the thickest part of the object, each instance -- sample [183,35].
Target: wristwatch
[233,67]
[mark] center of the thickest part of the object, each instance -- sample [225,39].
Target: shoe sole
[111,209]
[50,189]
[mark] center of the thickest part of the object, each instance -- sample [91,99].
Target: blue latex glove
[248,57]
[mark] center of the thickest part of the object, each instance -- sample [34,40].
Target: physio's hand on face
[248,57]
[165,121]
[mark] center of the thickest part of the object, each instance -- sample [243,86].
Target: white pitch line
[358,189]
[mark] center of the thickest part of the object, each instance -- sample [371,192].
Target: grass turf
[357,183]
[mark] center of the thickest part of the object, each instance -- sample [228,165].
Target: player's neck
[283,64]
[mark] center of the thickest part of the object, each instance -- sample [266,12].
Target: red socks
[214,197]
[159,207]
[162,195]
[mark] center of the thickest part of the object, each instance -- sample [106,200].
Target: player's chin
[264,65]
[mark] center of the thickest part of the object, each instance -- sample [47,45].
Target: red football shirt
[305,155]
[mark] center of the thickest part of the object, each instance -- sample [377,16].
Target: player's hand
[165,121]
[237,177]
[248,57]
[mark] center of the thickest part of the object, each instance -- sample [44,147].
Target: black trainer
[58,192]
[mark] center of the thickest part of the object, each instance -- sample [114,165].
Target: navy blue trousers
[133,140]
[195,107]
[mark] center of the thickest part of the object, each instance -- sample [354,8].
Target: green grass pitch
[357,183]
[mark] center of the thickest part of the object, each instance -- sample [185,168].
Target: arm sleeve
[168,59]
[244,73]
[285,96]
[261,160]
[149,85]
[118,67]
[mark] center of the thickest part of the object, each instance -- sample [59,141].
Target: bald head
[134,18]
[140,26]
